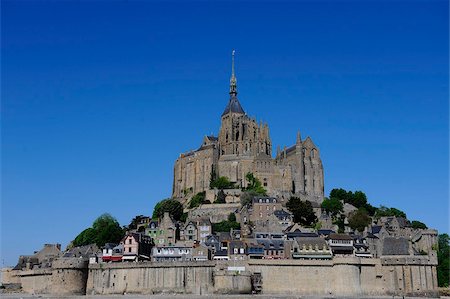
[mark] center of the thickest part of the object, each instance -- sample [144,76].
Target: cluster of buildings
[166,240]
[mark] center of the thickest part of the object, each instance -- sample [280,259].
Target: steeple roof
[233,105]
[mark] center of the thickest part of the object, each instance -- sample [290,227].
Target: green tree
[443,268]
[173,207]
[254,185]
[332,206]
[105,229]
[302,211]
[197,200]
[232,217]
[359,220]
[226,226]
[383,211]
[341,195]
[418,225]
[359,199]
[340,222]
[222,183]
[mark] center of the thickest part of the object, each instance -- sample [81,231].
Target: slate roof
[224,236]
[82,251]
[395,246]
[376,229]
[340,237]
[311,241]
[233,106]
[282,214]
[271,244]
[212,138]
[325,232]
[296,234]
[221,253]
[109,245]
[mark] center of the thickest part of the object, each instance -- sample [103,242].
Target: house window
[129,241]
[129,249]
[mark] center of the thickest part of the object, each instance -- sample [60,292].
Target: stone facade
[243,145]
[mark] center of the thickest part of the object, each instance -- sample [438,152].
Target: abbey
[243,145]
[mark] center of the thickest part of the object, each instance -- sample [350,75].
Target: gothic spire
[233,105]
[233,81]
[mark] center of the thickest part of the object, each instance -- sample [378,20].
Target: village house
[263,207]
[307,248]
[201,252]
[136,246]
[174,253]
[112,252]
[204,229]
[152,230]
[237,250]
[341,244]
[273,244]
[167,231]
[255,250]
[213,243]
[189,232]
[361,247]
[40,259]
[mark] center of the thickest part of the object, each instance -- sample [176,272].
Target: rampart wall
[346,276]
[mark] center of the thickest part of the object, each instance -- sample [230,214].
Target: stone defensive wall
[344,276]
[68,276]
[349,276]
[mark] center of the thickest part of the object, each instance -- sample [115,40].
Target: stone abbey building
[243,146]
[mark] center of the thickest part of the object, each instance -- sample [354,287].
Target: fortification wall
[151,278]
[36,281]
[350,276]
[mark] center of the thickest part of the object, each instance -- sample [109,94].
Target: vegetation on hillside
[359,220]
[254,189]
[227,225]
[333,206]
[302,211]
[198,200]
[173,207]
[222,183]
[254,185]
[105,229]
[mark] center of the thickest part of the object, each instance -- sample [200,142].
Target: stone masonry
[244,145]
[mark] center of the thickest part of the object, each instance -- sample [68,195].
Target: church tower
[239,134]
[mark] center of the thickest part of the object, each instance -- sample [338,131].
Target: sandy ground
[26,296]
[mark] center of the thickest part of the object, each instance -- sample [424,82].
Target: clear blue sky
[100,98]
